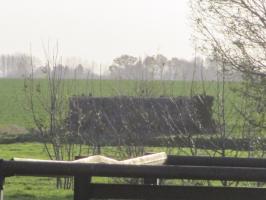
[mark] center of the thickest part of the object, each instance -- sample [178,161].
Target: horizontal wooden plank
[29,168]
[216,161]
[97,159]
[115,191]
[151,159]
[162,158]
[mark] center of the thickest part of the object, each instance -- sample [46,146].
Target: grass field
[32,188]
[29,188]
[15,117]
[42,188]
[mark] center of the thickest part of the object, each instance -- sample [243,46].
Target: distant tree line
[159,67]
[16,65]
[22,65]
[156,67]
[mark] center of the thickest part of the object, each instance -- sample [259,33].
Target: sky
[96,30]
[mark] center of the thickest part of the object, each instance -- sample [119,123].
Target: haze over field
[97,31]
[119,78]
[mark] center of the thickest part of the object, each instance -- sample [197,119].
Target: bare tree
[17,65]
[235,31]
[47,101]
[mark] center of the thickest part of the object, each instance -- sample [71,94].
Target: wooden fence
[150,168]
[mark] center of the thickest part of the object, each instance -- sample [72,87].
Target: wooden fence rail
[149,167]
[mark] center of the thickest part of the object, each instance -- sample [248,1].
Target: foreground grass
[42,188]
[33,188]
[29,188]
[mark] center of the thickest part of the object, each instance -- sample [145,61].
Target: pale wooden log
[97,159]
[152,159]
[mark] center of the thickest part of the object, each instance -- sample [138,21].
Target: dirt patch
[13,130]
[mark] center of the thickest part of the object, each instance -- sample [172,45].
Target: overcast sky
[96,30]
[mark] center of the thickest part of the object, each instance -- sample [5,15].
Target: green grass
[29,188]
[13,104]
[33,188]
[42,188]
[14,119]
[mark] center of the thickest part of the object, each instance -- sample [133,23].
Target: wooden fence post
[151,181]
[82,187]
[2,179]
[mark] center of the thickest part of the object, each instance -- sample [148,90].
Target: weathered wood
[2,180]
[115,191]
[10,168]
[90,159]
[216,161]
[97,159]
[151,181]
[1,194]
[197,168]
[82,187]
[151,159]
